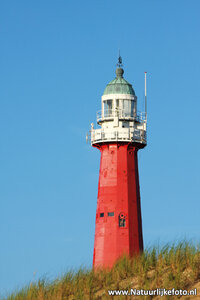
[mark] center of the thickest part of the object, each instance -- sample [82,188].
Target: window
[122,220]
[126,109]
[101,215]
[132,108]
[107,108]
[110,214]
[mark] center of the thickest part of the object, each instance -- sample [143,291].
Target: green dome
[119,85]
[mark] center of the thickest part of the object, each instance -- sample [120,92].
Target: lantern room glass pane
[132,108]
[126,108]
[108,108]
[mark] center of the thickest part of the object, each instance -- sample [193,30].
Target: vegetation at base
[175,266]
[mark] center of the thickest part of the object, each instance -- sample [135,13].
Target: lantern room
[119,119]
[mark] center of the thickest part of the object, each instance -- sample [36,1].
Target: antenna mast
[145,94]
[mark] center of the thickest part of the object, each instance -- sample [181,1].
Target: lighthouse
[120,133]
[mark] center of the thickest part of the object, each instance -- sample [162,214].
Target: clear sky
[56,59]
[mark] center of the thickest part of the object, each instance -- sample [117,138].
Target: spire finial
[119,64]
[119,70]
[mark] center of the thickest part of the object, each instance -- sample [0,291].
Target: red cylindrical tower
[121,134]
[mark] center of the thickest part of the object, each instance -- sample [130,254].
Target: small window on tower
[110,214]
[122,220]
[101,215]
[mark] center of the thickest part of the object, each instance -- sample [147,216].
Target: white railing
[109,114]
[126,134]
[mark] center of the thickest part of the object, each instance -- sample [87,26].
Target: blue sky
[56,59]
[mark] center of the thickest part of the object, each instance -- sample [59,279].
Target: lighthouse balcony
[121,114]
[120,135]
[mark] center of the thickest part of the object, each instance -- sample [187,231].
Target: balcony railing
[126,134]
[109,114]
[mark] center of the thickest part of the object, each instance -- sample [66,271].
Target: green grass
[176,266]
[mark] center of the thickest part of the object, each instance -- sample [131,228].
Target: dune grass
[176,266]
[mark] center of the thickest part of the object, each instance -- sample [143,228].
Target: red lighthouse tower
[121,133]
